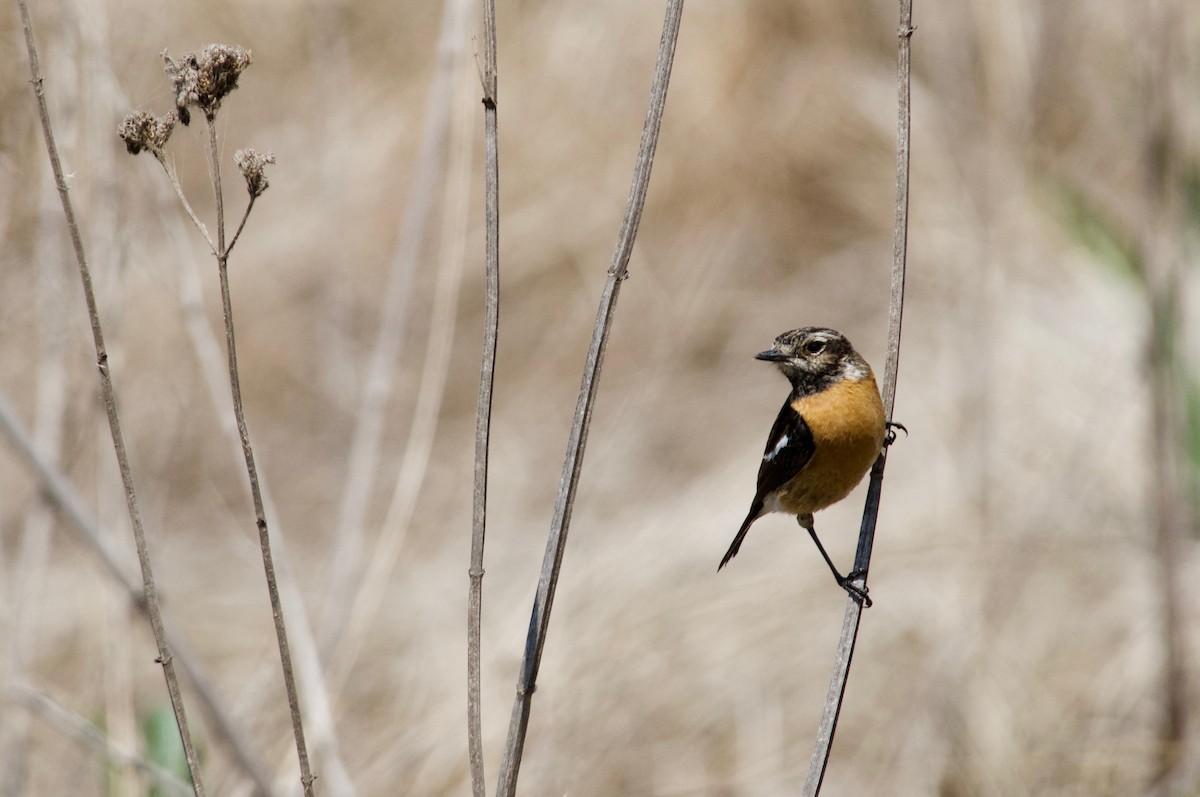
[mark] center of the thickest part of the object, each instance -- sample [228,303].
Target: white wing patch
[774,452]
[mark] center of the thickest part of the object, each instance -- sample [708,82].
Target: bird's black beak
[771,356]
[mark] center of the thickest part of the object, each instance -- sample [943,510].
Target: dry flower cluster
[1016,645]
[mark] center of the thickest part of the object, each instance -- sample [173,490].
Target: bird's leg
[890,437]
[845,582]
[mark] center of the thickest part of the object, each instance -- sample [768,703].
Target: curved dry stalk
[260,515]
[150,591]
[556,541]
[483,406]
[91,737]
[312,682]
[431,388]
[363,460]
[173,179]
[1161,269]
[866,534]
[33,553]
[59,491]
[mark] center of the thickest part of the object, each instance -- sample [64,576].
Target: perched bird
[828,433]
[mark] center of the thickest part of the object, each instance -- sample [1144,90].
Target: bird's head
[813,358]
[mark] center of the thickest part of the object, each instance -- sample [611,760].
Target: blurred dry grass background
[1015,646]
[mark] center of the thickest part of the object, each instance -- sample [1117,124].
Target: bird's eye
[814,347]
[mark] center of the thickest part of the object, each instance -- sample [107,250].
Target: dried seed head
[203,80]
[142,130]
[253,164]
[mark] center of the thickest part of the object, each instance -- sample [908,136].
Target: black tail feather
[755,511]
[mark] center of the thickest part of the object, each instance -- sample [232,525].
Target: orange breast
[847,424]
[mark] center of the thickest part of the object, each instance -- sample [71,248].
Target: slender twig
[241,225]
[556,541]
[1161,259]
[363,460]
[866,535]
[173,178]
[93,738]
[431,387]
[483,407]
[33,554]
[110,405]
[58,490]
[301,641]
[260,515]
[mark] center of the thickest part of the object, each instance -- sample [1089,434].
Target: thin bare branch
[483,407]
[1161,255]
[241,225]
[59,491]
[141,132]
[866,535]
[556,541]
[28,570]
[312,683]
[436,361]
[110,405]
[183,200]
[93,738]
[260,515]
[363,460]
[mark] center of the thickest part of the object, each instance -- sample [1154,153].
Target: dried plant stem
[377,578]
[363,461]
[93,738]
[59,491]
[108,394]
[556,541]
[241,225]
[187,206]
[311,678]
[483,407]
[1161,260]
[260,515]
[866,536]
[33,553]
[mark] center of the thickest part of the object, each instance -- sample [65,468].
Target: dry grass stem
[204,81]
[556,542]
[866,537]
[483,406]
[437,362]
[59,491]
[1056,416]
[260,515]
[142,131]
[362,465]
[91,737]
[1161,271]
[208,353]
[109,397]
[33,559]
[169,170]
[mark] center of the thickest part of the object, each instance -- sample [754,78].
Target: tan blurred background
[1020,642]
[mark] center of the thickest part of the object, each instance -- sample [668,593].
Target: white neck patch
[856,371]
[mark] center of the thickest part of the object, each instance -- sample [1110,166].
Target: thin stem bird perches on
[108,394]
[483,408]
[866,537]
[556,541]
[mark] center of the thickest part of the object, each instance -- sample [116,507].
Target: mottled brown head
[813,358]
